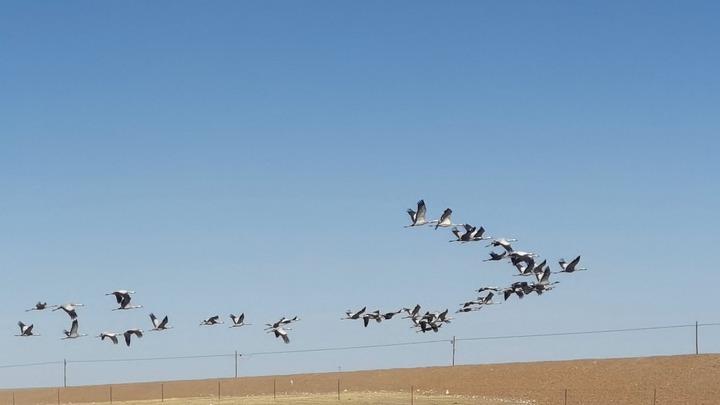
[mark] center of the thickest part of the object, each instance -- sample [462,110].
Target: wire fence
[67,367]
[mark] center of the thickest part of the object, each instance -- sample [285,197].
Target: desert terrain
[684,379]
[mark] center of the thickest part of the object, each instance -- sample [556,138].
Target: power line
[590,332]
[31,364]
[328,349]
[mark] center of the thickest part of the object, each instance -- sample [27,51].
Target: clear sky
[258,157]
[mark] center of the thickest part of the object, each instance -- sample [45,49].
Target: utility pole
[453,353]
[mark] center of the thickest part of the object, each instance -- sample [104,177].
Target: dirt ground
[686,379]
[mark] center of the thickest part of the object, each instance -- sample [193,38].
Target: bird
[354,315]
[123,299]
[238,321]
[418,217]
[73,332]
[445,220]
[157,324]
[389,315]
[282,321]
[281,332]
[570,267]
[496,256]
[39,306]
[119,294]
[489,288]
[128,334]
[371,315]
[504,242]
[25,330]
[472,234]
[110,335]
[213,320]
[69,308]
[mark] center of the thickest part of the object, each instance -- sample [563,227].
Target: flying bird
[445,220]
[280,332]
[39,306]
[570,267]
[73,332]
[418,217]
[128,334]
[213,320]
[158,324]
[69,309]
[110,335]
[25,330]
[238,321]
[354,315]
[123,299]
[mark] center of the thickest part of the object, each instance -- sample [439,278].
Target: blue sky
[259,157]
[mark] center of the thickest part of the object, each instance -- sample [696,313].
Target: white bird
[128,334]
[213,320]
[238,321]
[39,306]
[69,309]
[281,332]
[25,330]
[157,324]
[418,217]
[445,220]
[110,335]
[123,299]
[354,315]
[570,267]
[73,332]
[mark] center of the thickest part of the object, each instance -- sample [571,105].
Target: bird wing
[154,320]
[74,327]
[421,209]
[164,322]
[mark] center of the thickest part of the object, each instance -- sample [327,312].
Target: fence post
[274,392]
[697,350]
[218,389]
[236,356]
[58,396]
[64,372]
[111,394]
[412,394]
[162,392]
[565,397]
[654,395]
[338,389]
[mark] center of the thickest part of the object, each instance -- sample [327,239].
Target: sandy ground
[687,379]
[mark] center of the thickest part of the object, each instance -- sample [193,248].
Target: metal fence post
[697,349]
[453,354]
[565,396]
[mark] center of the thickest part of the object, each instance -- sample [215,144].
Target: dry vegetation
[689,379]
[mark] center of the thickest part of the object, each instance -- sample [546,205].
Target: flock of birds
[526,264]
